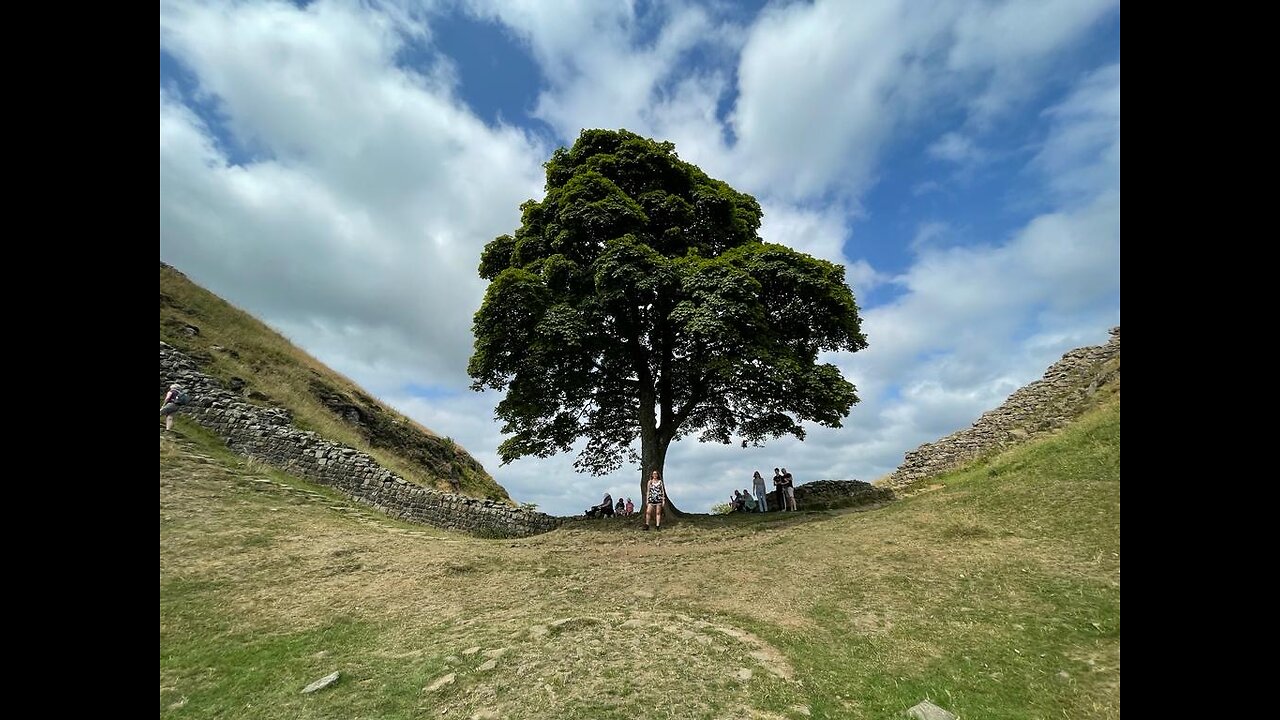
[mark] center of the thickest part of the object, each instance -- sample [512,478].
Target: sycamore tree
[637,301]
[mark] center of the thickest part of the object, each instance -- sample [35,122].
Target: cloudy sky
[335,168]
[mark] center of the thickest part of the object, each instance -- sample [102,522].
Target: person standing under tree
[757,487]
[777,486]
[655,496]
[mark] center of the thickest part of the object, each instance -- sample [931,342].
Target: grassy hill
[997,595]
[249,357]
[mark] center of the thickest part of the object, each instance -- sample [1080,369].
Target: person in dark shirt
[604,508]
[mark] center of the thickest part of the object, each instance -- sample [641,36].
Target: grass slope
[238,349]
[997,595]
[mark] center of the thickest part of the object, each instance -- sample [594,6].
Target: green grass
[996,595]
[230,343]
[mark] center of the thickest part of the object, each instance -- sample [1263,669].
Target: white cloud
[820,233]
[825,87]
[928,232]
[863,278]
[1014,41]
[1082,154]
[926,187]
[821,88]
[956,148]
[602,73]
[357,228]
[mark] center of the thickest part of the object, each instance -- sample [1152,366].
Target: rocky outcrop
[823,494]
[1065,391]
[267,433]
[830,494]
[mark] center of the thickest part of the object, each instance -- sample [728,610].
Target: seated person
[631,508]
[620,508]
[604,508]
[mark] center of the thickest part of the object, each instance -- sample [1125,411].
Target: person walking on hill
[655,496]
[174,399]
[757,487]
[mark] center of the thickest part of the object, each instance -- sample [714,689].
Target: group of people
[608,507]
[742,501]
[782,482]
[655,496]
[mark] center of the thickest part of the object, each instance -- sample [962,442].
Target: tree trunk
[653,456]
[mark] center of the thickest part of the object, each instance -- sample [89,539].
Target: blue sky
[335,169]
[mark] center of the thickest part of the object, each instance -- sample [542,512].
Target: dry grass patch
[978,595]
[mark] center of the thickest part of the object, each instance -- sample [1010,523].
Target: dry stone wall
[827,494]
[268,434]
[1043,406]
[839,493]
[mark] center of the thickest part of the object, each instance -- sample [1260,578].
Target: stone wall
[268,434]
[826,494]
[1041,407]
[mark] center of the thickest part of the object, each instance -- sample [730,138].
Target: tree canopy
[637,301]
